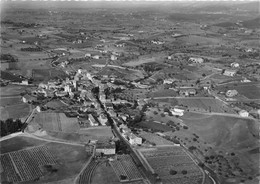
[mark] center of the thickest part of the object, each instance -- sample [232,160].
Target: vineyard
[24,165]
[85,177]
[125,168]
[173,165]
[153,138]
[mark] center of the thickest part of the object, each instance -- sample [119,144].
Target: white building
[196,60]
[106,148]
[134,140]
[234,65]
[243,113]
[230,73]
[177,112]
[96,57]
[92,121]
[231,93]
[113,57]
[87,55]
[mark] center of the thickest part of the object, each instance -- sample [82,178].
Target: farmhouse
[96,57]
[106,148]
[134,140]
[113,57]
[231,93]
[243,113]
[27,98]
[168,81]
[196,60]
[187,92]
[234,65]
[177,111]
[230,73]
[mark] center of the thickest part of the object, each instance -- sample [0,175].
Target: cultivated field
[104,173]
[25,165]
[207,104]
[15,111]
[172,165]
[153,138]
[125,166]
[57,122]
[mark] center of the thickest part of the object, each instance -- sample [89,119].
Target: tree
[173,172]
[184,172]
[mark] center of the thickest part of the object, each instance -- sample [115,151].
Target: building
[230,73]
[231,93]
[134,140]
[27,98]
[106,148]
[87,55]
[187,92]
[96,57]
[168,81]
[92,121]
[113,57]
[234,65]
[102,119]
[177,111]
[196,60]
[243,113]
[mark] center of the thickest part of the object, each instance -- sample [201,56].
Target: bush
[173,172]
[184,172]
[162,115]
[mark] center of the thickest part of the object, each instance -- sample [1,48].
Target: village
[119,95]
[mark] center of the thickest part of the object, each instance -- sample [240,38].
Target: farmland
[206,104]
[172,165]
[155,139]
[104,173]
[31,159]
[57,122]
[223,134]
[18,143]
[15,111]
[124,166]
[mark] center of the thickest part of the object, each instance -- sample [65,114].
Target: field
[57,122]
[11,105]
[163,93]
[27,162]
[104,173]
[249,90]
[18,143]
[47,74]
[96,133]
[226,134]
[124,166]
[14,111]
[207,104]
[172,165]
[153,138]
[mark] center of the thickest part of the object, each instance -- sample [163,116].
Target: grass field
[228,134]
[18,143]
[12,90]
[104,174]
[208,104]
[57,122]
[15,111]
[96,133]
[163,93]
